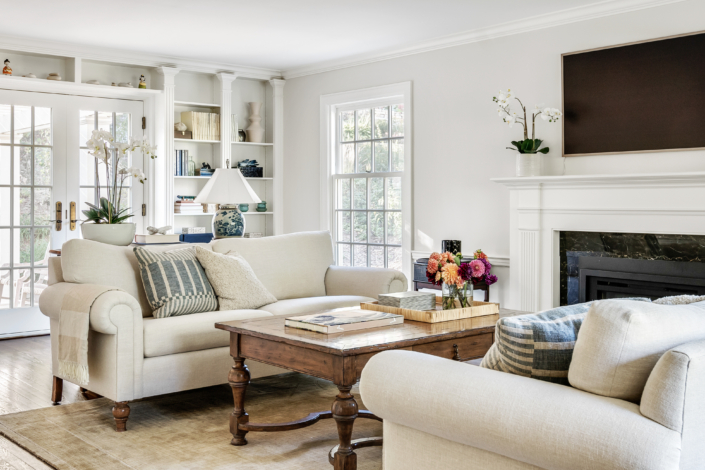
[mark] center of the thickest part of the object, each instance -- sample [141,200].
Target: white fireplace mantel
[543,206]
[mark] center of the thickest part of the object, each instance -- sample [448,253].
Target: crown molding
[549,20]
[131,58]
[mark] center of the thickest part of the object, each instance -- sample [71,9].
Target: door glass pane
[122,127]
[105,122]
[5,283]
[23,206]
[5,205]
[23,165]
[5,123]
[5,248]
[23,125]
[86,168]
[5,152]
[42,126]
[41,245]
[86,125]
[42,166]
[360,255]
[42,206]
[22,247]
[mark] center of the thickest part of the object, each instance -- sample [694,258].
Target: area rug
[189,430]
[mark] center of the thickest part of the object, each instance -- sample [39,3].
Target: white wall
[459,143]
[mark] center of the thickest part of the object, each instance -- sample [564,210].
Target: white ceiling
[274,34]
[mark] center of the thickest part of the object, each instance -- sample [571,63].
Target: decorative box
[251,171]
[409,300]
[183,135]
[438,315]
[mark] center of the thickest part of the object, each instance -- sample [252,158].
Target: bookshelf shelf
[198,141]
[191,104]
[253,144]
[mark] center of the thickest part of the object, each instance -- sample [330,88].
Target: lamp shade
[227,186]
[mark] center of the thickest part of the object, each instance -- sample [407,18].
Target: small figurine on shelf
[262,206]
[143,83]
[241,135]
[206,170]
[7,70]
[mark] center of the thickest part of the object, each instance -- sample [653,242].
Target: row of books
[203,126]
[182,165]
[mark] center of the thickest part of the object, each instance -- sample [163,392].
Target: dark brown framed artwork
[633,98]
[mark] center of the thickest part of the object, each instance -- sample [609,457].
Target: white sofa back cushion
[89,262]
[290,266]
[620,342]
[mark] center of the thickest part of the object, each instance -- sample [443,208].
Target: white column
[224,99]
[278,154]
[165,170]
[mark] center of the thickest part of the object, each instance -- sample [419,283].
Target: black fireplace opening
[595,266]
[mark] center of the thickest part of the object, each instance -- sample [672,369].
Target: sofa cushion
[233,280]
[539,345]
[175,282]
[185,333]
[89,262]
[290,266]
[620,342]
[314,304]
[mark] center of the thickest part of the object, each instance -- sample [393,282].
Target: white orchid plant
[532,145]
[103,147]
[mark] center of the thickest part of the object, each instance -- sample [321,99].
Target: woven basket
[439,315]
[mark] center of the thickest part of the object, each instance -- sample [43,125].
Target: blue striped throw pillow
[175,282]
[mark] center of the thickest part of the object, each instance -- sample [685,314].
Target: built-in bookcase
[228,96]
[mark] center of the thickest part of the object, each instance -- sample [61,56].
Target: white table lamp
[228,188]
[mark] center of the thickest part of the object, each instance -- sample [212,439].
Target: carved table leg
[57,389]
[239,378]
[121,411]
[344,412]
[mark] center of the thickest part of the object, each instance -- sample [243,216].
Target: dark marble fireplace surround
[636,246]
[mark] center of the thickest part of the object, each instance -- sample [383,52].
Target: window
[366,173]
[119,125]
[25,202]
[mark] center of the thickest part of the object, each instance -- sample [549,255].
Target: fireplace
[616,265]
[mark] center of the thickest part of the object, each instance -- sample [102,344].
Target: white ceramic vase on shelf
[112,234]
[255,132]
[528,164]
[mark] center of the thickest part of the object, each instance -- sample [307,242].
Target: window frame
[331,106]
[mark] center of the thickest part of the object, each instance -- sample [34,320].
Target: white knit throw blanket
[74,320]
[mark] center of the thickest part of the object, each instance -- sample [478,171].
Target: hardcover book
[410,300]
[344,320]
[157,239]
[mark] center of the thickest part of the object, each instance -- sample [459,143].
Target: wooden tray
[439,315]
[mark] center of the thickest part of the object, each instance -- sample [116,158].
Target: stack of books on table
[168,239]
[342,320]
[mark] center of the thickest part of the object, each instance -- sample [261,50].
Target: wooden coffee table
[340,359]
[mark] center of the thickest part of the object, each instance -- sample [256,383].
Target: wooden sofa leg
[121,412]
[57,389]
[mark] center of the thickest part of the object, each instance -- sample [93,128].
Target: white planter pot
[529,164]
[111,234]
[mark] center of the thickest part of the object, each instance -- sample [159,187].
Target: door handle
[72,220]
[59,219]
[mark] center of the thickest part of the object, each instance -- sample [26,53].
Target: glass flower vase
[465,294]
[449,293]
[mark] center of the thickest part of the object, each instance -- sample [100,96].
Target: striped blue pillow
[175,282]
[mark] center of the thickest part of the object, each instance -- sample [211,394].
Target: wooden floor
[25,376]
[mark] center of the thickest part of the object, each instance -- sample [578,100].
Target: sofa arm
[366,282]
[107,313]
[540,423]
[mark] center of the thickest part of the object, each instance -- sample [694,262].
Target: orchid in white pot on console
[528,161]
[106,222]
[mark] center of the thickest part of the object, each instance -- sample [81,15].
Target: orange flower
[432,266]
[438,276]
[435,256]
[450,273]
[480,255]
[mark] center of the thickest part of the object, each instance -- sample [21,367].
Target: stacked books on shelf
[206,171]
[203,126]
[340,320]
[183,166]
[187,205]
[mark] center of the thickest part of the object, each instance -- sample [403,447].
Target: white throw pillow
[620,342]
[234,281]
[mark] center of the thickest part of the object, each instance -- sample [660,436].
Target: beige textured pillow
[233,280]
[620,342]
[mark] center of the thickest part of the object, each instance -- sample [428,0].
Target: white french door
[41,165]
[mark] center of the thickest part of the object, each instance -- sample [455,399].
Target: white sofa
[134,355]
[444,414]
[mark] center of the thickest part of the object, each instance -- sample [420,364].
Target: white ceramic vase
[111,234]
[255,132]
[528,164]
